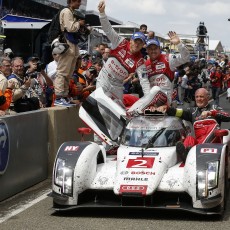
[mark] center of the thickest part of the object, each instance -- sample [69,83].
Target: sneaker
[62,102]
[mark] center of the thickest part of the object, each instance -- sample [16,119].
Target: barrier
[29,143]
[24,152]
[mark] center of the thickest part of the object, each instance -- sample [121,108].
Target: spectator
[151,35]
[8,53]
[40,82]
[227,81]
[119,66]
[5,71]
[51,68]
[202,110]
[106,55]
[101,48]
[143,28]
[85,62]
[67,60]
[20,102]
[5,86]
[216,78]
[77,83]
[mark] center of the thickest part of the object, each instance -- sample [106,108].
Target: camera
[84,30]
[40,66]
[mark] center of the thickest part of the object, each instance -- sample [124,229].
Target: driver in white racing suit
[125,58]
[161,68]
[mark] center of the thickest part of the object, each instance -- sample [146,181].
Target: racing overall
[120,64]
[201,128]
[161,73]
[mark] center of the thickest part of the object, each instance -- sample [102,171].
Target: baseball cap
[138,35]
[8,50]
[152,42]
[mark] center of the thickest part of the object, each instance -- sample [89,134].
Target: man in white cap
[125,58]
[8,53]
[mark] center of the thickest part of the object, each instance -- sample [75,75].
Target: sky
[181,16]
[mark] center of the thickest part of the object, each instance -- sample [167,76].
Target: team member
[161,67]
[125,58]
[202,110]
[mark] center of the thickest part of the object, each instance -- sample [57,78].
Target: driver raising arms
[125,58]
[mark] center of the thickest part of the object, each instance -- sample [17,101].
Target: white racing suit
[161,73]
[120,64]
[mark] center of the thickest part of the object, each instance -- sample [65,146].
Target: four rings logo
[133,188]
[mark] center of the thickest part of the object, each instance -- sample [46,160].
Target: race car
[145,171]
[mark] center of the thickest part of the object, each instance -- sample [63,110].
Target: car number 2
[141,162]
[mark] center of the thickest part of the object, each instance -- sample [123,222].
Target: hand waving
[101,6]
[174,39]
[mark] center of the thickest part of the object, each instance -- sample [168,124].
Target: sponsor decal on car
[141,162]
[145,153]
[71,148]
[135,179]
[142,173]
[133,189]
[209,150]
[4,147]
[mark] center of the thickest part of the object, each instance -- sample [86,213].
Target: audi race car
[145,171]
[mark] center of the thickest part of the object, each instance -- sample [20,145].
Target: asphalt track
[32,210]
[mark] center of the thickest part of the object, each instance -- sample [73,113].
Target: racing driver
[161,67]
[125,58]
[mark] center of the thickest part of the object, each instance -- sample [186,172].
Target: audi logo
[132,188]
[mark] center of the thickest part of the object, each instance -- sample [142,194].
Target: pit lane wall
[28,145]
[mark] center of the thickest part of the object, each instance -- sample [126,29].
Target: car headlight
[207,179]
[202,184]
[63,177]
[213,169]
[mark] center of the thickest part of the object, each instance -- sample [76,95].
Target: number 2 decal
[141,162]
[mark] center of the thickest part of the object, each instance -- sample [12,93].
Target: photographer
[41,84]
[20,102]
[70,25]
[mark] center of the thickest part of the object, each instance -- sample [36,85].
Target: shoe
[181,151]
[62,102]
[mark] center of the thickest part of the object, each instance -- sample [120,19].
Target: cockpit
[153,131]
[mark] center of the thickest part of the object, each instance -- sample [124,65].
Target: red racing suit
[120,64]
[161,71]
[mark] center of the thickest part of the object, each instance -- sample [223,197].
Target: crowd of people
[132,66]
[127,66]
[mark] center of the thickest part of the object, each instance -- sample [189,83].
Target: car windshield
[152,132]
